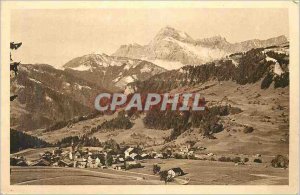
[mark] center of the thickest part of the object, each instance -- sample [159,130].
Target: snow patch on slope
[116,79]
[146,69]
[81,86]
[182,34]
[125,80]
[270,59]
[49,99]
[234,63]
[168,65]
[277,69]
[36,81]
[126,67]
[82,67]
[206,54]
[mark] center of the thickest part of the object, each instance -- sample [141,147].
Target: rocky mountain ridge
[172,48]
[111,72]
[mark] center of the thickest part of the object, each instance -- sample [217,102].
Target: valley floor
[198,172]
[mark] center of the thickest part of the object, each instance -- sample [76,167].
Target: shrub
[280,162]
[282,80]
[132,166]
[156,169]
[265,84]
[236,159]
[164,176]
[246,159]
[224,159]
[248,129]
[180,156]
[108,160]
[112,145]
[191,156]
[216,128]
[257,160]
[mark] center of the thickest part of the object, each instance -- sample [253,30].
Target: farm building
[145,156]
[120,159]
[176,172]
[128,152]
[40,162]
[65,163]
[158,155]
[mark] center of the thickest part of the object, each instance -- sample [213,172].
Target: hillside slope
[47,95]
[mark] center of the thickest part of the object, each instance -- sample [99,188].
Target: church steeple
[72,146]
[72,152]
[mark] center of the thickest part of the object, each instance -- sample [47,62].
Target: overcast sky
[56,36]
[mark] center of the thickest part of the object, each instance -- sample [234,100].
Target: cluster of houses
[86,158]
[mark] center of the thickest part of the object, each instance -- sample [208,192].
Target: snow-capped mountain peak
[173,33]
[173,47]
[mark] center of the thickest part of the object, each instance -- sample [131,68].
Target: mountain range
[111,72]
[172,48]
[49,96]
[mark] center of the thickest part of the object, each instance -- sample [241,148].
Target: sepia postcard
[113,97]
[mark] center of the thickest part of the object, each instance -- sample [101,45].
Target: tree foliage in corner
[14,65]
[20,141]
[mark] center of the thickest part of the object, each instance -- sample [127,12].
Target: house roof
[67,162]
[177,170]
[144,154]
[129,149]
[65,152]
[22,163]
[41,162]
[133,155]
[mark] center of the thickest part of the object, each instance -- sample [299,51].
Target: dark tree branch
[15,45]
[14,67]
[12,98]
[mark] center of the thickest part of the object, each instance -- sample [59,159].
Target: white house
[128,151]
